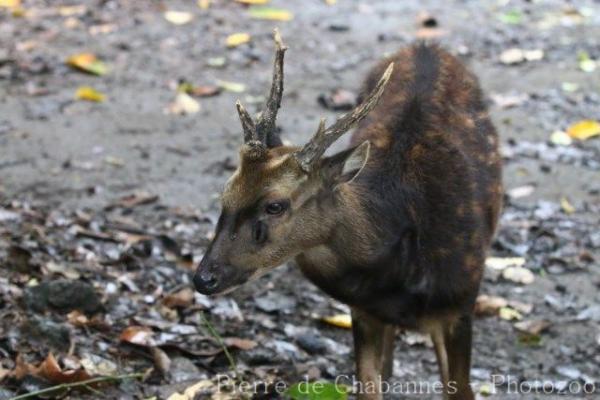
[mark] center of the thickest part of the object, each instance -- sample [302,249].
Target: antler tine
[324,138]
[266,121]
[247,123]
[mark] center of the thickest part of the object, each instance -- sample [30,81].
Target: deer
[396,226]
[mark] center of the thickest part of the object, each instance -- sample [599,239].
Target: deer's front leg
[374,352]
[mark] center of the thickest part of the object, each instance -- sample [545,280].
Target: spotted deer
[397,226]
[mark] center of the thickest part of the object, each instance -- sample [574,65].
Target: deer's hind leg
[452,342]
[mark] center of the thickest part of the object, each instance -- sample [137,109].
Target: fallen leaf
[516,56]
[584,130]
[339,320]
[533,326]
[183,104]
[242,344]
[138,335]
[269,13]
[520,191]
[234,87]
[566,206]
[191,392]
[586,64]
[252,2]
[216,62]
[518,275]
[58,268]
[561,138]
[10,3]
[49,370]
[237,39]
[69,11]
[178,17]
[330,2]
[513,17]
[182,298]
[90,94]
[500,263]
[135,199]
[87,62]
[489,305]
[509,314]
[204,4]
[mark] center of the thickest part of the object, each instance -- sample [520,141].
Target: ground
[105,207]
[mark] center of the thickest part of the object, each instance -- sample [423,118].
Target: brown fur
[403,239]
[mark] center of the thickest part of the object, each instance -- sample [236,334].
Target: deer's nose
[206,279]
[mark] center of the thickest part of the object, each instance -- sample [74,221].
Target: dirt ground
[120,197]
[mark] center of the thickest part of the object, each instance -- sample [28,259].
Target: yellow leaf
[254,2]
[90,94]
[178,17]
[584,130]
[231,86]
[273,14]
[561,138]
[339,320]
[510,314]
[183,104]
[87,62]
[10,3]
[237,39]
[204,4]
[330,2]
[566,206]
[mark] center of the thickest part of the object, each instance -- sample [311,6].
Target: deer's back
[435,170]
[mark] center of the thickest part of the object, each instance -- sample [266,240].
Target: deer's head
[281,200]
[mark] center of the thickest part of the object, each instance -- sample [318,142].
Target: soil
[67,167]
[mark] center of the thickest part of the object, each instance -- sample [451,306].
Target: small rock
[47,332]
[183,369]
[590,313]
[568,371]
[62,294]
[275,302]
[311,343]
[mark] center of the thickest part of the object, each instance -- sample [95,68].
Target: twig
[216,335]
[77,384]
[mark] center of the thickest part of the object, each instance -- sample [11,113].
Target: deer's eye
[275,208]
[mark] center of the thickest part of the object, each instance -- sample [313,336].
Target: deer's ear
[345,166]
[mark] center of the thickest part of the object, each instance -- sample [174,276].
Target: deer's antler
[259,134]
[324,137]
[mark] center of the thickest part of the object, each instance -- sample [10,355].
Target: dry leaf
[139,335]
[90,94]
[518,275]
[237,39]
[87,62]
[204,4]
[330,2]
[178,17]
[272,14]
[510,314]
[489,305]
[500,263]
[532,327]
[48,370]
[339,320]
[242,344]
[161,360]
[234,87]
[183,104]
[584,130]
[566,206]
[10,3]
[561,138]
[69,11]
[182,298]
[191,392]
[135,199]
